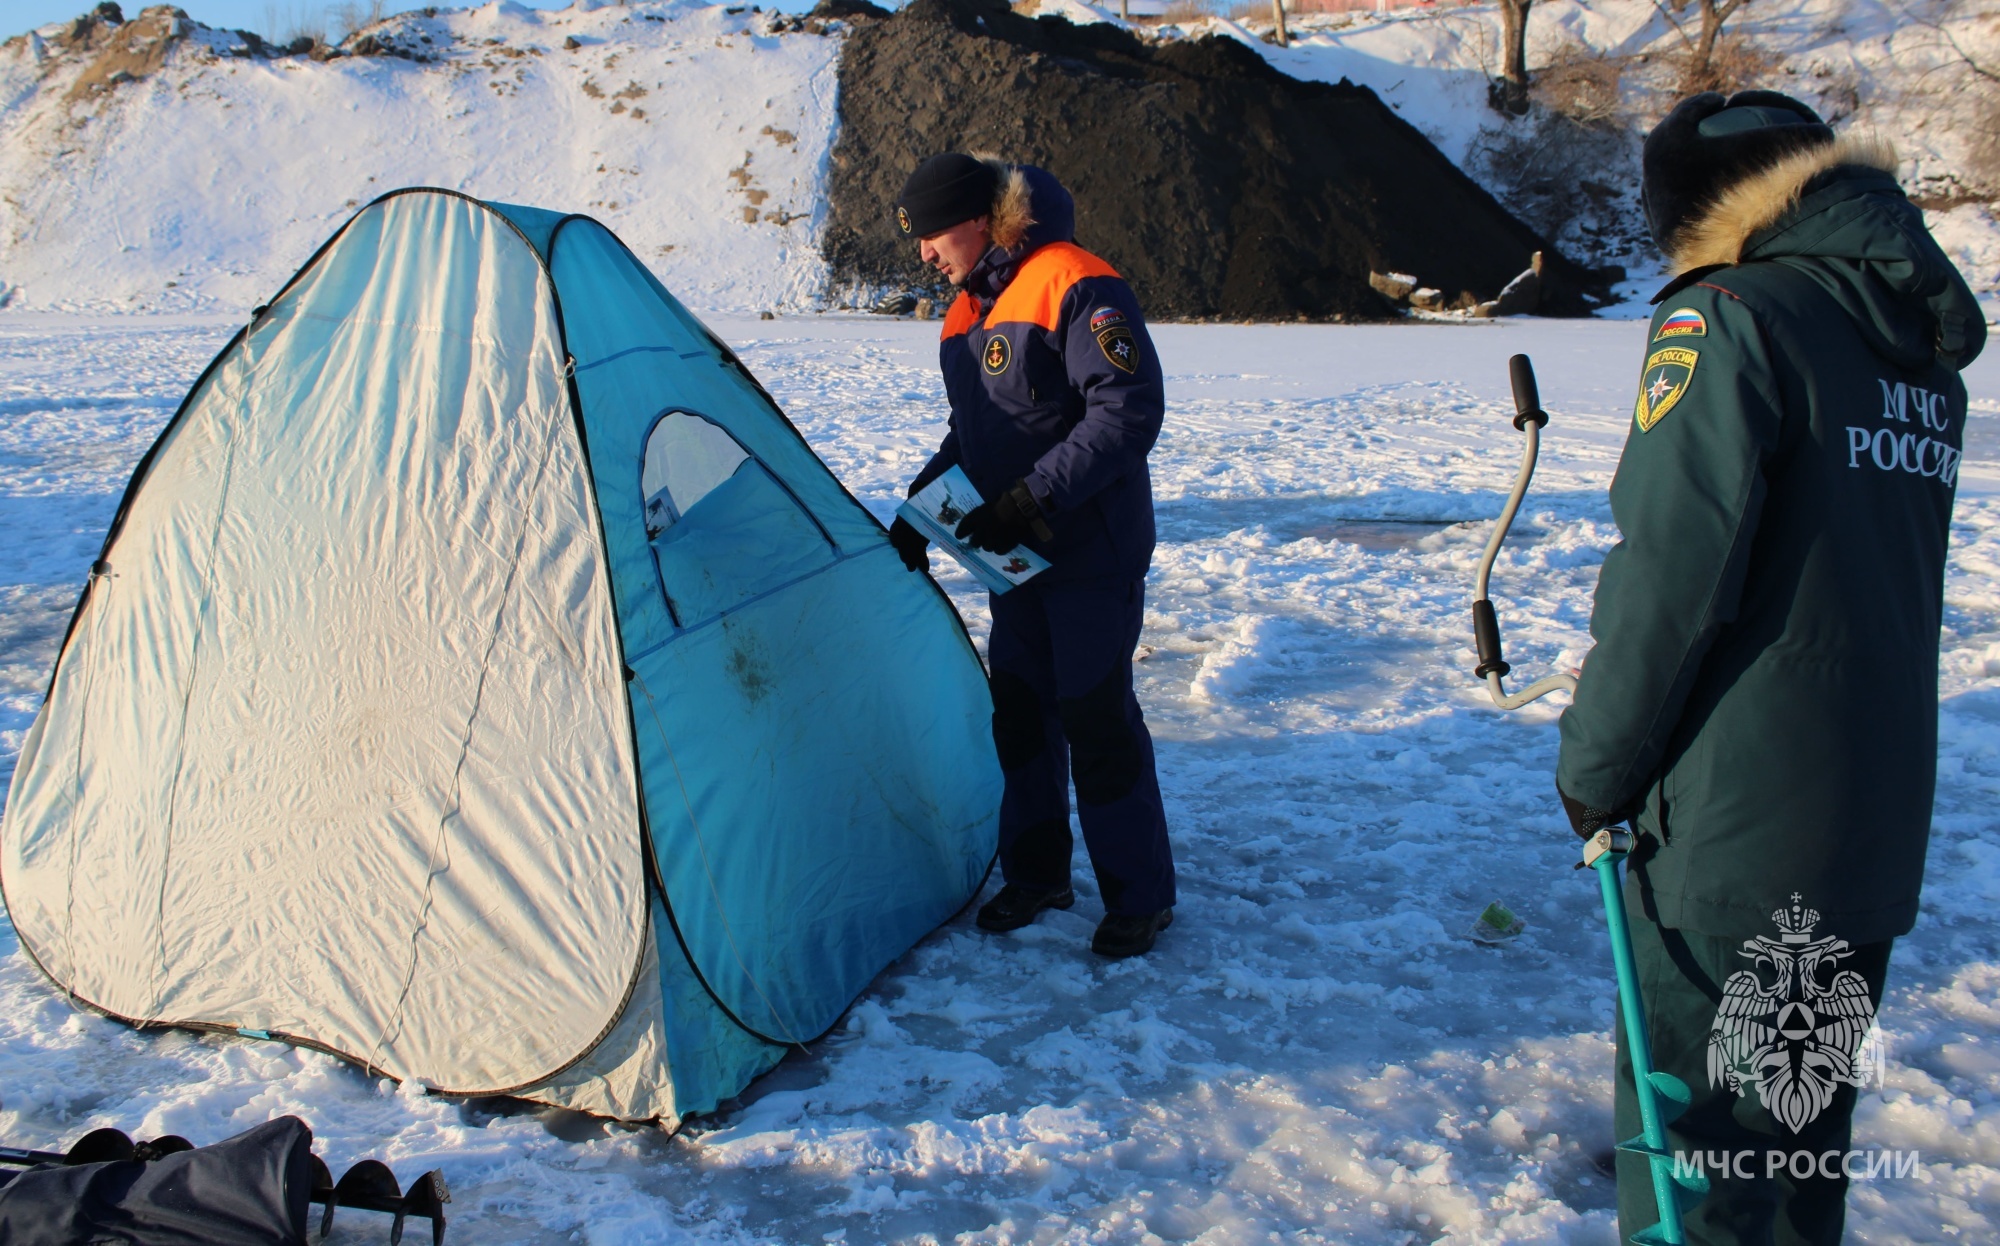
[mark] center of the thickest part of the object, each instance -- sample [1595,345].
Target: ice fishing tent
[484,682]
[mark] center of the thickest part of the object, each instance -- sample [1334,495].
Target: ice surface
[1317,1051]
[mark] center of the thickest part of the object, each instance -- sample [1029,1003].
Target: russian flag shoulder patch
[1682,322]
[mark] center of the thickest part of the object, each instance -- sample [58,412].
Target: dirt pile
[1218,186]
[120,51]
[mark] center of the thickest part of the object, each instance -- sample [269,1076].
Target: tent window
[722,528]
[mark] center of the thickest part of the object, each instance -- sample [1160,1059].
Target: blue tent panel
[818,772]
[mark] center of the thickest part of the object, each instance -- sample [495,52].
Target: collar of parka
[1718,235]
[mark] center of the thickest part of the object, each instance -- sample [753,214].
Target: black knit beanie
[944,191]
[1708,144]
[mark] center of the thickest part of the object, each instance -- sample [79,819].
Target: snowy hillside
[161,165]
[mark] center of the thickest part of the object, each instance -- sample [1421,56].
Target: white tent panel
[355,671]
[626,1076]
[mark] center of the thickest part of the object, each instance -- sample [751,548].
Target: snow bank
[698,133]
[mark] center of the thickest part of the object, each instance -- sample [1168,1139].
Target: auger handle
[1529,418]
[1527,395]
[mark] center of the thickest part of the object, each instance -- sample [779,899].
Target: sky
[265,17]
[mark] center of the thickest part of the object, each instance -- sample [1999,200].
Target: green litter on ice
[1496,924]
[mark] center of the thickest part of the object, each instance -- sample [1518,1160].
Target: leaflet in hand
[936,511]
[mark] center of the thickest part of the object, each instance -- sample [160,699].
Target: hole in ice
[1376,535]
[1317,518]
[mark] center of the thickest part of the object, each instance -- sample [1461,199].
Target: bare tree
[1701,72]
[1701,58]
[1954,8]
[1963,90]
[1510,91]
[354,16]
[1278,13]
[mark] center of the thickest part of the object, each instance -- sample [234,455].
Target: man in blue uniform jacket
[1056,398]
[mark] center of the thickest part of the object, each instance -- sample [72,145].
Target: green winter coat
[1762,697]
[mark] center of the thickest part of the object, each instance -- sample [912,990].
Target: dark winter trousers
[1681,975]
[1063,710]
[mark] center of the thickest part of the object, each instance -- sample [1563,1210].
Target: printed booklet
[936,511]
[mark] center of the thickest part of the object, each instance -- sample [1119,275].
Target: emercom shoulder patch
[1120,347]
[1682,322]
[1666,378]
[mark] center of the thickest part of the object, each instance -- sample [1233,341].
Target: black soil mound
[1218,186]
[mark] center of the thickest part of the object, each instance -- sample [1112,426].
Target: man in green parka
[1761,702]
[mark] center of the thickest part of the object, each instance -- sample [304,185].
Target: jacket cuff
[1044,492]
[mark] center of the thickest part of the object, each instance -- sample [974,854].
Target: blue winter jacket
[1053,379]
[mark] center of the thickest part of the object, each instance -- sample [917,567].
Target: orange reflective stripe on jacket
[963,315]
[1035,295]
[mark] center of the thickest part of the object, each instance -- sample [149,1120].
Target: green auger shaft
[1652,1142]
[1602,853]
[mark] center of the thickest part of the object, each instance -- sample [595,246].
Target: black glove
[1584,819]
[910,545]
[1005,522]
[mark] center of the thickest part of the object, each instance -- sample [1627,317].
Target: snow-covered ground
[1316,1052]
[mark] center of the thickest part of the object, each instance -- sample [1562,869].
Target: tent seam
[683,632]
[82,730]
[187,703]
[465,743]
[706,869]
[731,363]
[648,849]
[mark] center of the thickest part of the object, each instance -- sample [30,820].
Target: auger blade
[369,1184]
[322,1192]
[1689,1189]
[161,1147]
[427,1198]
[100,1146]
[1672,1096]
[1639,1146]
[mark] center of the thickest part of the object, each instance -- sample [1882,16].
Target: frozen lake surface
[1317,1051]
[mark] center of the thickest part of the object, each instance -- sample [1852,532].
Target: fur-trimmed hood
[1717,234]
[1837,213]
[1030,210]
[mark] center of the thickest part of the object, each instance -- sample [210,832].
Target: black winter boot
[1016,906]
[1119,936]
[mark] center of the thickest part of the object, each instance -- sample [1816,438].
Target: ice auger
[368,1186]
[1662,1096]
